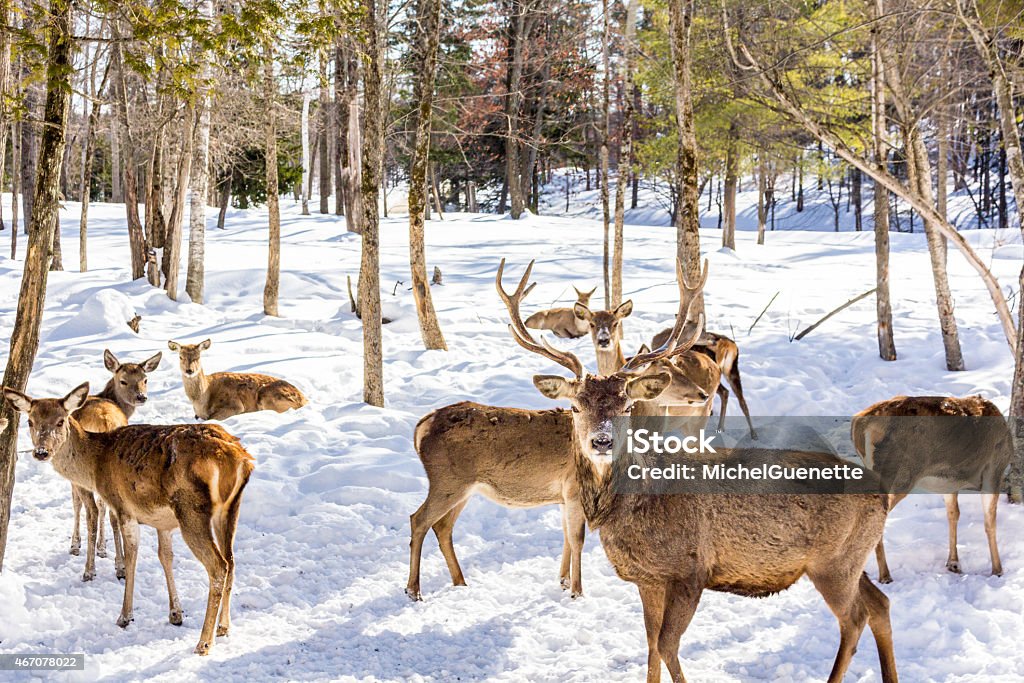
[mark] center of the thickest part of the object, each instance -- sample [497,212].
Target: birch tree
[200,178]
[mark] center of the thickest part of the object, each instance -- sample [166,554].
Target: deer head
[584,297]
[48,418]
[595,399]
[188,356]
[684,391]
[605,326]
[130,381]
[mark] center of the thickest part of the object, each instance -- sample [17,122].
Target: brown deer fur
[981,463]
[187,477]
[224,394]
[562,322]
[673,547]
[104,412]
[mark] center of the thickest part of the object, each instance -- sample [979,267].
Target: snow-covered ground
[322,547]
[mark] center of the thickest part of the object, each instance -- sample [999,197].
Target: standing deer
[673,547]
[104,412]
[954,454]
[187,477]
[514,457]
[563,322]
[224,394]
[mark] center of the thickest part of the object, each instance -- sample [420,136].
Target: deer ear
[151,364]
[76,398]
[648,388]
[3,424]
[110,361]
[18,400]
[581,311]
[205,344]
[643,349]
[173,346]
[554,386]
[624,309]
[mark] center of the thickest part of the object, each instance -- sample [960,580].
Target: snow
[322,546]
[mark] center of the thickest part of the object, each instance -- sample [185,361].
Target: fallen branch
[834,311]
[765,310]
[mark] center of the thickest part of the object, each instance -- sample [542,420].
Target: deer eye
[60,422]
[575,409]
[123,383]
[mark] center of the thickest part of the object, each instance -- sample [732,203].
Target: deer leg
[990,501]
[225,526]
[841,591]
[953,517]
[681,599]
[130,536]
[576,531]
[76,535]
[115,531]
[198,535]
[653,599]
[443,530]
[166,554]
[723,399]
[433,508]
[733,373]
[883,567]
[90,527]
[877,605]
[564,574]
[101,527]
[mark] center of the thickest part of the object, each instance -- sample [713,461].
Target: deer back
[100,415]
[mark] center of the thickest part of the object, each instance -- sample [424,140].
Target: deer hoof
[885,579]
[222,631]
[202,649]
[414,595]
[953,566]
[564,582]
[997,571]
[123,621]
[175,617]
[101,551]
[89,575]
[119,572]
[75,550]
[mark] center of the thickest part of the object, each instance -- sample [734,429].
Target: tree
[625,147]
[883,307]
[374,25]
[200,179]
[31,298]
[428,15]
[605,132]
[273,284]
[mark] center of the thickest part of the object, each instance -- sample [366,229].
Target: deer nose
[602,442]
[141,398]
[41,453]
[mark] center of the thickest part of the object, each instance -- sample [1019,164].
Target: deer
[954,454]
[514,457]
[563,322]
[225,394]
[673,547]
[726,354]
[109,409]
[187,477]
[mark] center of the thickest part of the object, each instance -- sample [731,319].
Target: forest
[327,188]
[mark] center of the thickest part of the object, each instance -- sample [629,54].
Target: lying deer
[224,394]
[104,412]
[952,454]
[562,322]
[514,457]
[187,477]
[673,547]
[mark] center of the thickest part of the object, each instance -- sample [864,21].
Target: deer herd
[672,547]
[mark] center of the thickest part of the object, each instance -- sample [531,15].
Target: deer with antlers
[514,457]
[106,411]
[225,394]
[673,547]
[187,477]
[563,322]
[951,454]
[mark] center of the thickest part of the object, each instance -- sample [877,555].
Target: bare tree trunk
[87,161]
[15,185]
[5,89]
[31,299]
[762,194]
[514,101]
[428,14]
[606,125]
[324,129]
[116,193]
[136,238]
[687,220]
[625,149]
[172,244]
[857,197]
[224,200]
[732,163]
[340,126]
[374,26]
[304,135]
[270,290]
[200,183]
[942,165]
[883,306]
[354,145]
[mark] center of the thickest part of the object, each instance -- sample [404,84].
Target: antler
[519,331]
[673,346]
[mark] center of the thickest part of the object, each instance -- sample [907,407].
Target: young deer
[514,457]
[563,322]
[673,547]
[955,454]
[168,477]
[104,412]
[223,394]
